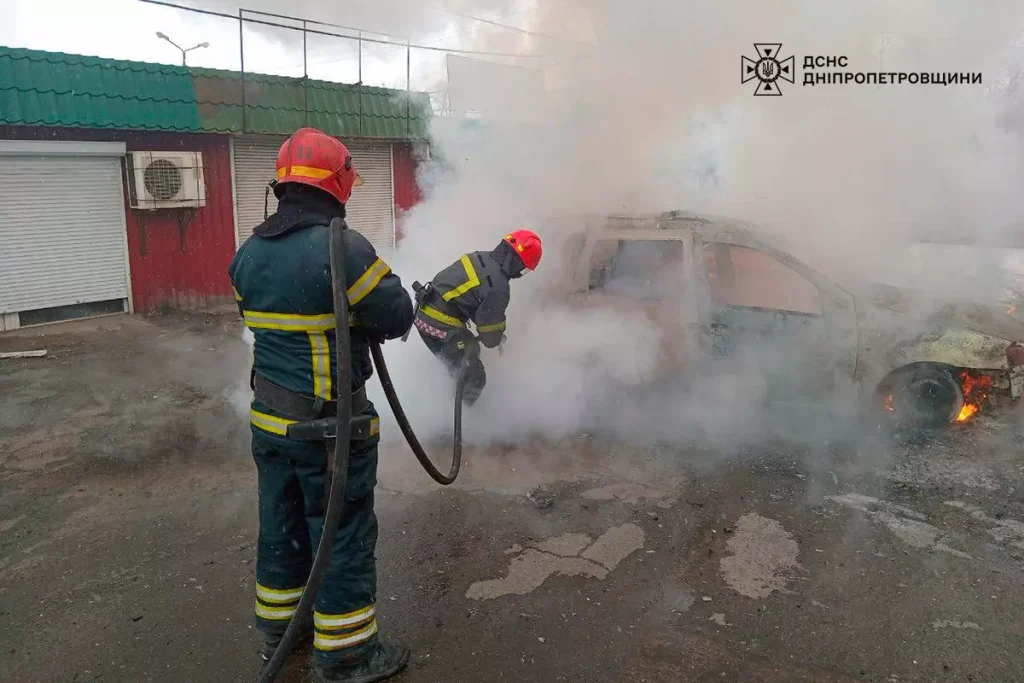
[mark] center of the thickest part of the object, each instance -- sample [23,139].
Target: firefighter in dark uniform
[476,288]
[282,282]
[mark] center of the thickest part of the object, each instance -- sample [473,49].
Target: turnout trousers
[451,351]
[292,502]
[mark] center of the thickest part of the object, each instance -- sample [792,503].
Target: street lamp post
[161,36]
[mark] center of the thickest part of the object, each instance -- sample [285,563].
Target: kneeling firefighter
[476,287]
[282,282]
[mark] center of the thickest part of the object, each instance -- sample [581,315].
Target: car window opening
[638,269]
[741,277]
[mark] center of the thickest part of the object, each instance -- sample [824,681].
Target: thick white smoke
[645,112]
[850,174]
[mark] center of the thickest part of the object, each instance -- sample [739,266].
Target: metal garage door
[254,160]
[370,210]
[62,225]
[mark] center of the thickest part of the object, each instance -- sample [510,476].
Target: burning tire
[922,396]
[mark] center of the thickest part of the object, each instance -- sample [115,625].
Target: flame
[975,392]
[1011,310]
[888,403]
[967,412]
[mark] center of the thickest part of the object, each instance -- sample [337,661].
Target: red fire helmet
[527,245]
[314,158]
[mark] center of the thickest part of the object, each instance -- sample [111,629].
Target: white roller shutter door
[62,231]
[370,210]
[255,160]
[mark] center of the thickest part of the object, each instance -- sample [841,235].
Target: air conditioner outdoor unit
[166,180]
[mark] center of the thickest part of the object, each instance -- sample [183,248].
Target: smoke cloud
[652,118]
[644,112]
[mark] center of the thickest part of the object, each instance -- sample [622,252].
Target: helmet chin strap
[271,187]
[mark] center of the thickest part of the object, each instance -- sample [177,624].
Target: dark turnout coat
[474,288]
[283,288]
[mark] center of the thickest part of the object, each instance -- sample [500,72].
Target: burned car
[719,291]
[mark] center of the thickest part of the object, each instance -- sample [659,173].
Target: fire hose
[336,478]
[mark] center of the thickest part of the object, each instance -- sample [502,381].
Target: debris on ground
[947,623]
[23,354]
[541,497]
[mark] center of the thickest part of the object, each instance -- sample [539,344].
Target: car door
[648,273]
[766,312]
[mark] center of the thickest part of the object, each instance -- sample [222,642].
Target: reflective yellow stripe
[279,425]
[288,322]
[269,423]
[278,596]
[336,642]
[331,622]
[367,281]
[275,613]
[491,328]
[471,282]
[442,317]
[305,172]
[320,352]
[238,297]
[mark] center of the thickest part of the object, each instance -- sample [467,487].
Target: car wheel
[923,396]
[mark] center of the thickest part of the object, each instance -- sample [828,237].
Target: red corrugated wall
[185,267]
[163,272]
[407,191]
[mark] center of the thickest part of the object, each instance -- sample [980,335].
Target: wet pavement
[128,520]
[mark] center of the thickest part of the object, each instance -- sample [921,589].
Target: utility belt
[423,306]
[317,418]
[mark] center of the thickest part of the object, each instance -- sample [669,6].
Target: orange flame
[975,392]
[967,412]
[888,403]
[1011,310]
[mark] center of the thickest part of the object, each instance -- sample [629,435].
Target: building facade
[128,186]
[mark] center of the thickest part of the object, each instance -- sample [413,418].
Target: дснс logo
[768,69]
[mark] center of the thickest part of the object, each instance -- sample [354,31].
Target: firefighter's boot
[384,662]
[271,641]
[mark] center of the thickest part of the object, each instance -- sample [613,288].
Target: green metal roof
[55,89]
